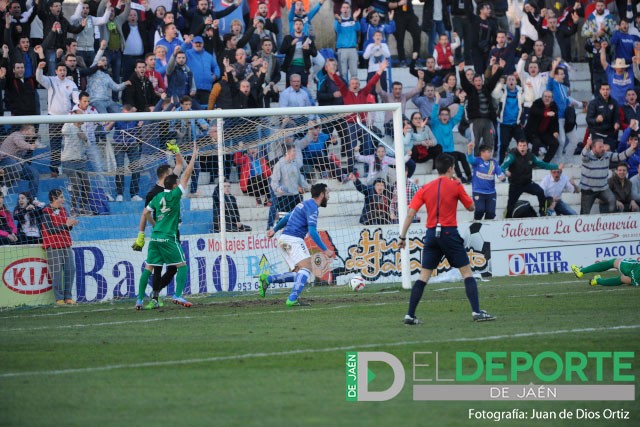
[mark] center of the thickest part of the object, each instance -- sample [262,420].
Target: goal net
[69,234]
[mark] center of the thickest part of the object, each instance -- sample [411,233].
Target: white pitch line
[337,307]
[213,303]
[87,325]
[307,351]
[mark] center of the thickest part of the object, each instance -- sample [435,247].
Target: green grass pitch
[242,361]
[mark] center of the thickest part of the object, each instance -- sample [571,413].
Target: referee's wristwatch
[402,238]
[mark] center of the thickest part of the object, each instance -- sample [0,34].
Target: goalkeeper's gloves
[173,147]
[139,243]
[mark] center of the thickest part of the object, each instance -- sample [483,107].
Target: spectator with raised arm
[618,76]
[483,181]
[347,27]
[87,37]
[480,111]
[56,26]
[398,96]
[442,125]
[62,94]
[443,51]
[596,161]
[510,99]
[102,86]
[353,95]
[518,167]
[377,202]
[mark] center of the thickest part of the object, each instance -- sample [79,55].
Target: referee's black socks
[471,287]
[416,295]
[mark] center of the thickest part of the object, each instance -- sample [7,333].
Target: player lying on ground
[302,220]
[629,268]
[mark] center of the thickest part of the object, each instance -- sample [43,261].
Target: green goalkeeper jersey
[166,206]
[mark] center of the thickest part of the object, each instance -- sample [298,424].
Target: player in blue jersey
[483,181]
[302,220]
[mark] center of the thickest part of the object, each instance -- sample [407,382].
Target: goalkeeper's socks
[300,280]
[181,280]
[471,288]
[416,295]
[142,284]
[289,276]
[598,266]
[611,281]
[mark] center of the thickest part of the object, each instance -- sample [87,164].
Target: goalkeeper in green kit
[159,281]
[630,269]
[165,248]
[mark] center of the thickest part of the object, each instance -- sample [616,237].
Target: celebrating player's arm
[184,180]
[175,149]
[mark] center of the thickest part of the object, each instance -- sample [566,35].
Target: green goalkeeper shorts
[165,251]
[631,268]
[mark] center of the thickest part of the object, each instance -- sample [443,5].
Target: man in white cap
[618,75]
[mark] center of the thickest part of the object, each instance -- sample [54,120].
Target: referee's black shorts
[449,244]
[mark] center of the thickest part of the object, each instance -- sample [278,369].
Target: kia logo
[27,276]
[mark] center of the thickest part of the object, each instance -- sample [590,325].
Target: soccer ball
[357,283]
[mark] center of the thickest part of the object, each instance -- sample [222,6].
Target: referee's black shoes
[482,316]
[408,320]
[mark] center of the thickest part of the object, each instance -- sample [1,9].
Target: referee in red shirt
[441,197]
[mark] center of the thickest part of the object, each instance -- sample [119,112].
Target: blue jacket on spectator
[346,33]
[204,67]
[444,132]
[307,29]
[623,44]
[124,133]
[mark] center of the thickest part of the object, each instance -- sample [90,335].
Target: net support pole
[224,276]
[401,190]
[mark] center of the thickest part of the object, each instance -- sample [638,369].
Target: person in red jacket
[352,95]
[254,175]
[443,52]
[56,241]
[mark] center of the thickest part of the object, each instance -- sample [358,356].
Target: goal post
[239,147]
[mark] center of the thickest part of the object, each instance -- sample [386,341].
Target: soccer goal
[108,163]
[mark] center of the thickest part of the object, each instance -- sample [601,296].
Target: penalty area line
[86,325]
[309,351]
